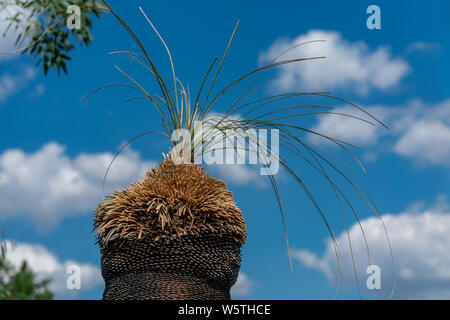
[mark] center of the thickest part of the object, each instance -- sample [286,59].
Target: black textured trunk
[190,266]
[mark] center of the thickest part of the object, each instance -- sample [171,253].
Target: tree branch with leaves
[41,31]
[20,283]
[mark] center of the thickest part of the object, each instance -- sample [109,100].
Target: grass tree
[178,232]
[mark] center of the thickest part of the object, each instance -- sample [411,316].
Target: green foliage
[20,284]
[42,23]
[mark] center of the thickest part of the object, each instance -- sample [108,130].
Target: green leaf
[45,25]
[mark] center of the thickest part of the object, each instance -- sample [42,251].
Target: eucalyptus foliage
[40,26]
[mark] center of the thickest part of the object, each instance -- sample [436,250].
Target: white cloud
[239,174]
[418,130]
[47,266]
[230,170]
[10,84]
[48,185]
[420,242]
[348,65]
[243,286]
[427,140]
[7,42]
[349,129]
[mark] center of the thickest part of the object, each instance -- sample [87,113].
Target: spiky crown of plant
[171,200]
[177,111]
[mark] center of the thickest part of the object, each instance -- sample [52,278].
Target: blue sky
[55,144]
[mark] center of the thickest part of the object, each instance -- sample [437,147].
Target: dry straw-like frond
[171,200]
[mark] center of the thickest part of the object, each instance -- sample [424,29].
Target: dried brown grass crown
[172,199]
